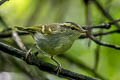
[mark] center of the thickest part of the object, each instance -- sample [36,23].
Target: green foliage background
[35,12]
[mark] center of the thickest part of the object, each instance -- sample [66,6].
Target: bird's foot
[58,69]
[28,54]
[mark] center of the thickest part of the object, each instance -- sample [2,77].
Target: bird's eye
[72,28]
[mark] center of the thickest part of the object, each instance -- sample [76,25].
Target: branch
[2,1]
[97,54]
[101,34]
[103,25]
[88,18]
[18,41]
[8,33]
[33,60]
[102,43]
[104,12]
[82,66]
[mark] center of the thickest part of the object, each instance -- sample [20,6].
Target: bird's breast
[53,44]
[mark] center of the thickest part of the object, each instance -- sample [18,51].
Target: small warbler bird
[54,39]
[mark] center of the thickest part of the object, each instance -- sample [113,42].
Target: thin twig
[105,13]
[18,40]
[88,18]
[97,54]
[98,47]
[103,25]
[7,34]
[102,43]
[3,1]
[101,34]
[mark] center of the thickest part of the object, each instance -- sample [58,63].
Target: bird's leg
[29,51]
[58,69]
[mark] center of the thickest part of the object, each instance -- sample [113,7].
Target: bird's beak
[81,30]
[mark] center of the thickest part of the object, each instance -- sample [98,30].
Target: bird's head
[71,26]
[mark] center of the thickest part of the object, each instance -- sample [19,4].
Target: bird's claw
[58,69]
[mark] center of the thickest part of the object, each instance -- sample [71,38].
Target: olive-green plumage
[55,38]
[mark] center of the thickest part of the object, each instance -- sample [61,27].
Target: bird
[54,39]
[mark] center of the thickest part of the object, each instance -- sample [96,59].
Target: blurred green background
[80,58]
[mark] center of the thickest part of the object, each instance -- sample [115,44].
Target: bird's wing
[44,29]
